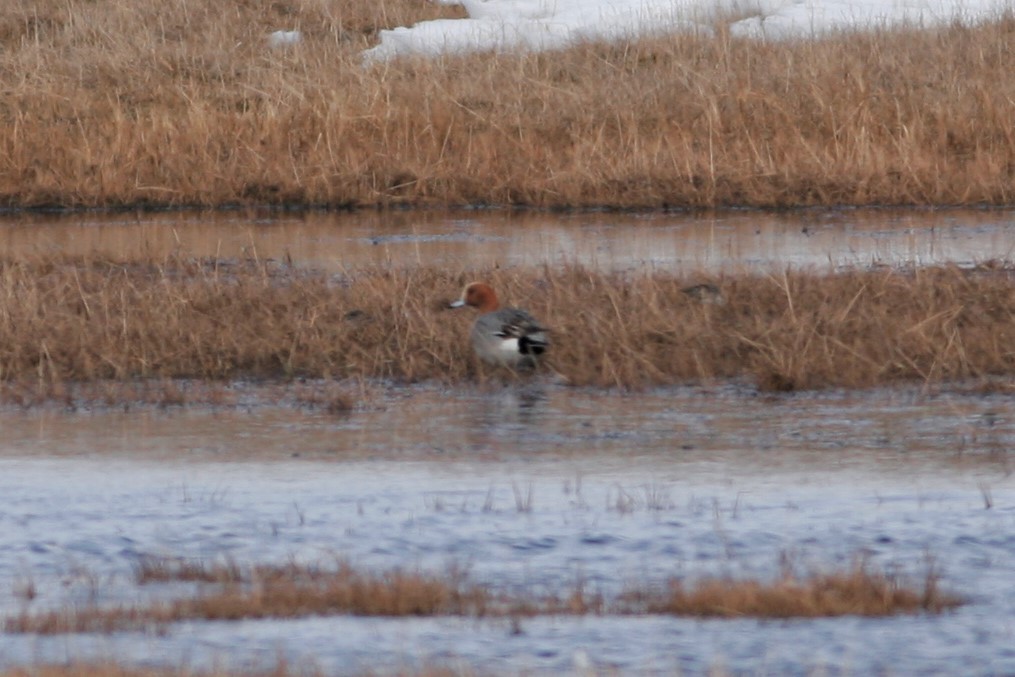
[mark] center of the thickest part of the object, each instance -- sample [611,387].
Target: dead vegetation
[113,329]
[293,591]
[181,102]
[275,592]
[856,592]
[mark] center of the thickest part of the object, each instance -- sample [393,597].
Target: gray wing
[518,324]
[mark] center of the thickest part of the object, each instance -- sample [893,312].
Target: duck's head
[479,295]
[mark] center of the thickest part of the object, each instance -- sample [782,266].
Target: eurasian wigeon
[507,337]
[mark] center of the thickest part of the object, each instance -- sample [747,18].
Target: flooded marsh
[732,242]
[144,493]
[71,318]
[530,495]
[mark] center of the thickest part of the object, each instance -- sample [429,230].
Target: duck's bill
[456,304]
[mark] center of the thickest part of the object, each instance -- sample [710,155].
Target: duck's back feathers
[509,336]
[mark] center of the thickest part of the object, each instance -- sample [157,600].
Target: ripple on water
[76,522]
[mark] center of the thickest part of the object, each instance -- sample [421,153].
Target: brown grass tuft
[272,592]
[181,102]
[295,591]
[64,322]
[858,592]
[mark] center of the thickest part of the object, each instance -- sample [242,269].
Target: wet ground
[530,490]
[727,242]
[529,487]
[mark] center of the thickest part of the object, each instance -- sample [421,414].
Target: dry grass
[275,592]
[856,592]
[294,591]
[171,102]
[67,322]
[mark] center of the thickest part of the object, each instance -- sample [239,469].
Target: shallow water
[534,489]
[727,242]
[531,487]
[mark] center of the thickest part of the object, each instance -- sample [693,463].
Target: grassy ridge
[172,102]
[73,320]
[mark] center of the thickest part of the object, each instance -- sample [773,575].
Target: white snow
[507,25]
[284,38]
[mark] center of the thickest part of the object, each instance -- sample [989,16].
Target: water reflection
[529,489]
[729,241]
[514,408]
[530,485]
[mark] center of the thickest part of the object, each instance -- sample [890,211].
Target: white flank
[510,345]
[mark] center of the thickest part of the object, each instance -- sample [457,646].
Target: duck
[503,336]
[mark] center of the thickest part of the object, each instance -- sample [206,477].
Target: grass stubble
[181,102]
[169,331]
[232,593]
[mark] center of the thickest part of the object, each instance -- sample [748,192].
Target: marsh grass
[181,102]
[272,592]
[854,592]
[73,324]
[294,591]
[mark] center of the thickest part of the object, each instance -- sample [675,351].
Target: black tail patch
[530,346]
